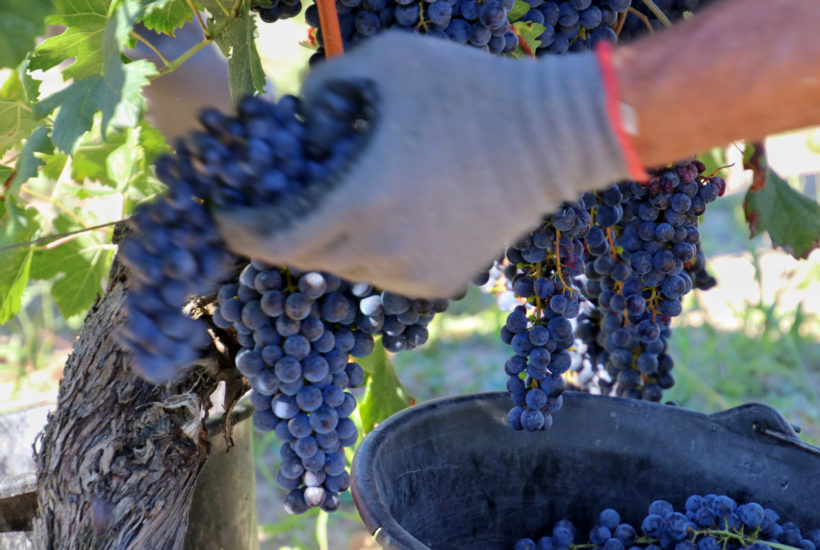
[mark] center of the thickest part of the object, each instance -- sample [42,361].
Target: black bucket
[450,474]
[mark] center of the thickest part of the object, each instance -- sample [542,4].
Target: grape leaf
[715,162]
[236,41]
[17,225]
[85,22]
[91,154]
[16,122]
[79,266]
[528,32]
[27,161]
[384,394]
[20,86]
[126,160]
[165,16]
[791,219]
[117,92]
[520,8]
[21,22]
[5,174]
[152,142]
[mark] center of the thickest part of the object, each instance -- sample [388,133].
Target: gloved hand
[467,153]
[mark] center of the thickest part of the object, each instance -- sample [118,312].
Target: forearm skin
[742,69]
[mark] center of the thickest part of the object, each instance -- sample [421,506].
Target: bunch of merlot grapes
[271,11]
[482,24]
[642,239]
[707,522]
[576,25]
[262,156]
[298,332]
[539,330]
[174,253]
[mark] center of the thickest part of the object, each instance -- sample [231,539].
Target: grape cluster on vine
[176,252]
[540,269]
[298,331]
[637,252]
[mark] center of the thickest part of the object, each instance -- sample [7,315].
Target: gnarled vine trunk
[118,459]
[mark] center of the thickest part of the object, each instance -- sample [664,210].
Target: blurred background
[753,338]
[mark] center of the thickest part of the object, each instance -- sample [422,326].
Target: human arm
[741,69]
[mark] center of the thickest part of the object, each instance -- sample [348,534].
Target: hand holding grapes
[463,156]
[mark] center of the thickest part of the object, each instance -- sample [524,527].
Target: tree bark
[118,459]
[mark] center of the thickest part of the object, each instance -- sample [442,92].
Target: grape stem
[422,23]
[150,46]
[210,36]
[198,17]
[657,12]
[611,243]
[642,17]
[558,268]
[539,305]
[620,23]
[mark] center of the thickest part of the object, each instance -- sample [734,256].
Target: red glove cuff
[613,108]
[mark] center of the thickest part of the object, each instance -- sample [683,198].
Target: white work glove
[467,153]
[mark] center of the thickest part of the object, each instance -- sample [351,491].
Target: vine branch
[49,238]
[150,46]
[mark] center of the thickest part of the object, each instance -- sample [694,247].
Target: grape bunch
[708,522]
[271,11]
[482,24]
[260,156]
[174,253]
[576,25]
[637,251]
[298,332]
[539,330]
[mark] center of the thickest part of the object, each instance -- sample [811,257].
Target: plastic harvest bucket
[449,473]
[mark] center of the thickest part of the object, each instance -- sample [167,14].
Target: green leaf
[165,16]
[20,86]
[16,122]
[85,22]
[79,267]
[38,142]
[152,142]
[715,161]
[21,22]
[125,161]
[236,41]
[518,11]
[90,157]
[791,219]
[5,174]
[529,32]
[117,92]
[16,226]
[384,394]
